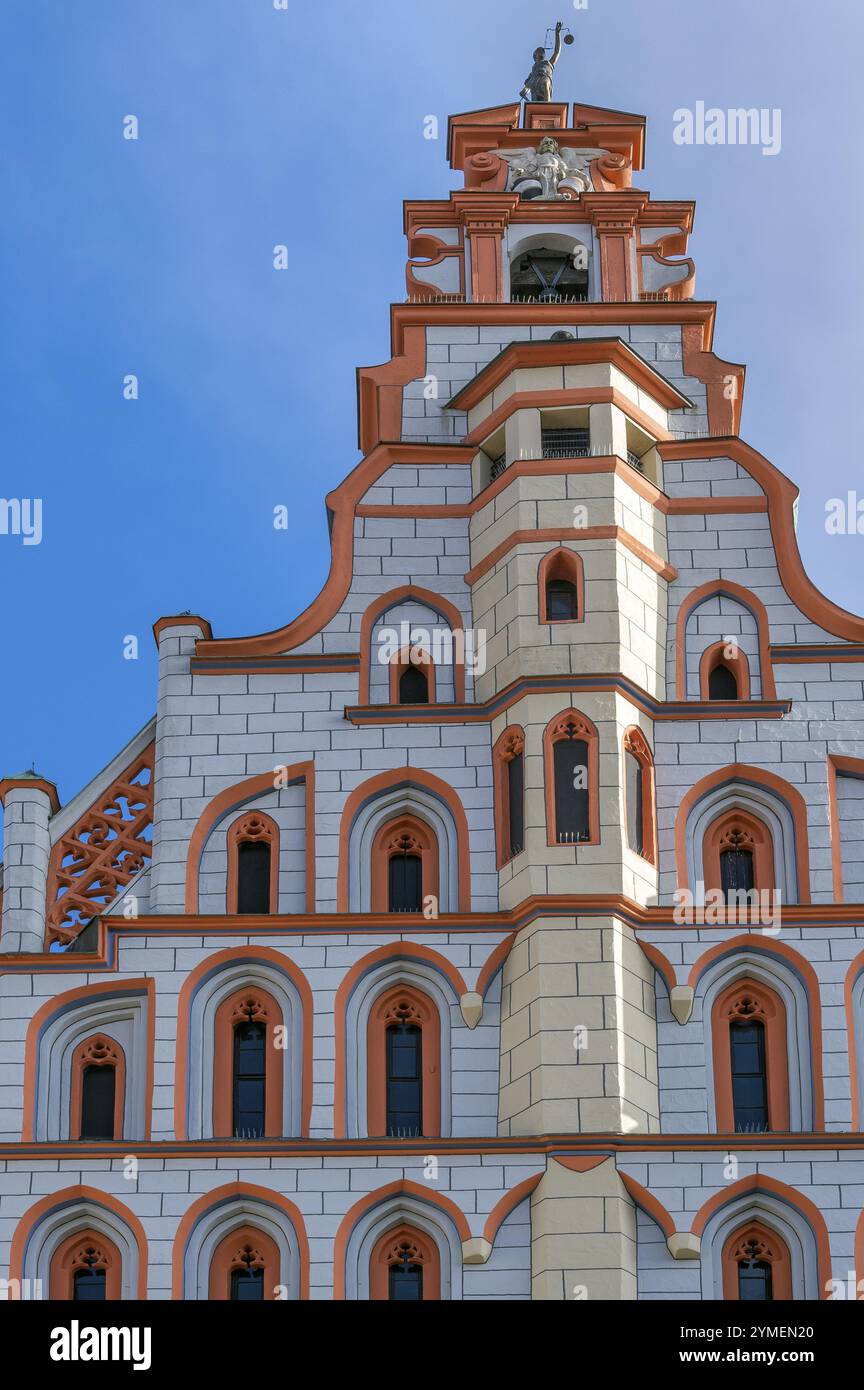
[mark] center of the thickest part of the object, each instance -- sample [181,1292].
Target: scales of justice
[538,83]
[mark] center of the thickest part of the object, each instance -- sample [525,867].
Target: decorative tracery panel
[410,1250]
[106,847]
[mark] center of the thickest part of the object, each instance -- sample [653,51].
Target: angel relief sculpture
[550,172]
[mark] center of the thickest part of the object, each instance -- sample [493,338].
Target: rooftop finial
[538,83]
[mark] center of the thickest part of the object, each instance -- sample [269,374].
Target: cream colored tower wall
[583,1235]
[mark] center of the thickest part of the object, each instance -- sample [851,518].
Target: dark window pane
[722,684]
[571,801]
[406,1283]
[736,871]
[749,1077]
[634,801]
[247,1285]
[413,687]
[250,1060]
[516,804]
[253,876]
[89,1286]
[404,1079]
[406,883]
[566,444]
[561,601]
[97,1102]
[754,1282]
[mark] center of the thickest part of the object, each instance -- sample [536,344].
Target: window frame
[509,745]
[423,840]
[61,1278]
[714,656]
[255,827]
[86,1055]
[398,1003]
[231,1012]
[381,1260]
[555,732]
[561,563]
[224,1261]
[636,744]
[776,1254]
[766,1006]
[399,665]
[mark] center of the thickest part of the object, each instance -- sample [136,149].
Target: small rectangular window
[253,876]
[633,796]
[516,804]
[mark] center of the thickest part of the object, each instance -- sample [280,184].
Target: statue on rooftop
[538,83]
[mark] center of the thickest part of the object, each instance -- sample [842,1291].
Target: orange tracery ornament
[106,847]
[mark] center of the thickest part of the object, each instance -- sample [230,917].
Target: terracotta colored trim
[404,1187]
[251,954]
[768,1009]
[561,564]
[781,494]
[635,742]
[225,1261]
[567,533]
[443,606]
[760,843]
[715,656]
[712,506]
[181,620]
[382,782]
[236,796]
[509,745]
[650,1204]
[776,1253]
[39,784]
[114,1057]
[417,1008]
[219,1197]
[661,963]
[714,588]
[423,842]
[560,398]
[853,974]
[802,967]
[255,827]
[585,351]
[760,1182]
[493,963]
[427,1256]
[745,772]
[853,767]
[398,950]
[228,1016]
[552,734]
[67,1197]
[507,1204]
[399,665]
[62,1273]
[724,381]
[57,1005]
[580,1163]
[671,506]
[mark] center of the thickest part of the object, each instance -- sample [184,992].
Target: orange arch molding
[808,1209]
[31,1218]
[660,962]
[649,1204]
[383,781]
[379,605]
[853,974]
[56,1005]
[236,795]
[395,950]
[745,772]
[403,1187]
[750,601]
[768,946]
[493,963]
[509,1202]
[270,956]
[221,1194]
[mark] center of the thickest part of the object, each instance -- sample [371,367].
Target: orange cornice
[781,494]
[564,396]
[181,620]
[568,533]
[39,784]
[477,132]
[584,351]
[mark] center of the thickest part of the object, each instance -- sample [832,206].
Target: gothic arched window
[248,1066]
[509,769]
[405,1267]
[253,865]
[738,857]
[560,585]
[404,1065]
[571,765]
[85,1268]
[412,678]
[639,795]
[404,865]
[724,673]
[750,1059]
[756,1266]
[98,1089]
[245,1267]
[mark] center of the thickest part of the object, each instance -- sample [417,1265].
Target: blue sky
[305,127]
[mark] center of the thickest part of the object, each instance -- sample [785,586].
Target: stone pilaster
[583,1234]
[28,802]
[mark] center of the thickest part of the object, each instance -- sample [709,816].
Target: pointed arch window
[404,865]
[98,1089]
[757,1267]
[561,587]
[738,858]
[508,760]
[724,673]
[248,1066]
[404,1065]
[86,1268]
[412,678]
[253,865]
[750,1059]
[639,795]
[405,1267]
[245,1267]
[572,780]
